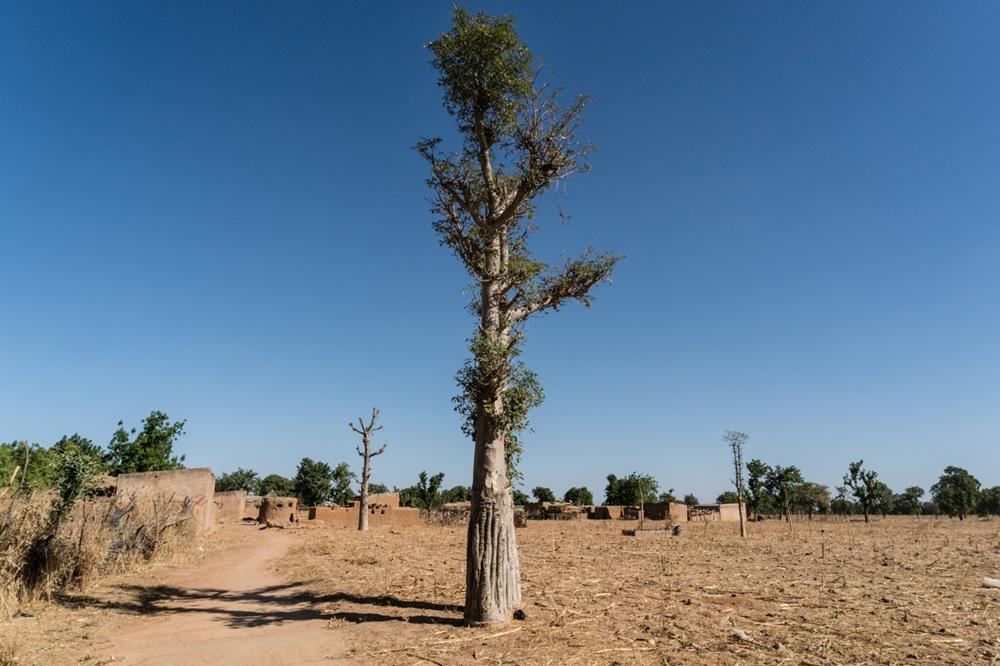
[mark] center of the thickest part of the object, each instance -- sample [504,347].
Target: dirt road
[230,609]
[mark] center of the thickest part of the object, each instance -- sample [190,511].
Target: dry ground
[830,592]
[894,591]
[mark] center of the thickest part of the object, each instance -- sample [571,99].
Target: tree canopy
[151,449]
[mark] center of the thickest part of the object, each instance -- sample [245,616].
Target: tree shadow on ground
[273,604]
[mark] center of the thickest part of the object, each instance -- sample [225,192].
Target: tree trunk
[363,502]
[864,507]
[493,571]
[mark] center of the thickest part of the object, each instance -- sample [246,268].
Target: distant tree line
[144,449]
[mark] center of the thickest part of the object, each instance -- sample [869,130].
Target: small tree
[152,449]
[863,483]
[882,498]
[728,497]
[989,502]
[74,470]
[86,447]
[426,494]
[908,502]
[691,500]
[782,483]
[456,494]
[579,496]
[277,484]
[241,479]
[956,492]
[633,489]
[812,498]
[313,482]
[340,485]
[543,494]
[757,495]
[377,488]
[736,439]
[366,430]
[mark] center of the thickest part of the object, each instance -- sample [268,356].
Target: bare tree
[736,440]
[366,468]
[518,141]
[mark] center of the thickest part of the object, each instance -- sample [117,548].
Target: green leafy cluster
[150,449]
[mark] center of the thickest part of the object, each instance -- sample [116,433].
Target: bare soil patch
[894,591]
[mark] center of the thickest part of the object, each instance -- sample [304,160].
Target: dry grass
[830,592]
[98,538]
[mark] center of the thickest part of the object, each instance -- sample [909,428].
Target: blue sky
[213,209]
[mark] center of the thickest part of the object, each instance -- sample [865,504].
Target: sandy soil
[828,592]
[230,607]
[896,591]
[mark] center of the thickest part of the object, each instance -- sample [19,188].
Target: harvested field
[898,590]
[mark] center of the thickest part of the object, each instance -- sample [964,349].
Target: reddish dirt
[231,609]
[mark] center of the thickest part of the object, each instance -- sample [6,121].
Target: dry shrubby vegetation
[40,557]
[828,591]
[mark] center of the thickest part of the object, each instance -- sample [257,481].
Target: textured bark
[493,571]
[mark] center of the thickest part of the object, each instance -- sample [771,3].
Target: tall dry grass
[41,555]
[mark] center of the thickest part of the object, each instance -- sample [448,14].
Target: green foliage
[579,496]
[543,494]
[377,488]
[728,497]
[39,474]
[668,497]
[907,503]
[86,447]
[456,494]
[758,499]
[241,479]
[426,494]
[150,450]
[882,498]
[277,484]
[956,492]
[340,486]
[863,483]
[631,490]
[691,500]
[493,365]
[781,484]
[521,498]
[73,470]
[485,72]
[317,483]
[811,498]
[989,502]
[517,142]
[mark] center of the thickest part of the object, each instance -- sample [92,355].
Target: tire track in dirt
[230,609]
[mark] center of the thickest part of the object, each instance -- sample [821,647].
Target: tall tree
[366,430]
[277,484]
[956,492]
[151,449]
[863,483]
[518,141]
[736,439]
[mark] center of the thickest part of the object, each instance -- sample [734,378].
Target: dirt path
[230,609]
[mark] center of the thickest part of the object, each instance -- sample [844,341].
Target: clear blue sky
[213,209]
